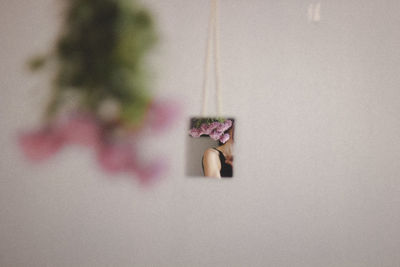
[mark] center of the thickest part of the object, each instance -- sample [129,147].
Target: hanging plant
[100,92]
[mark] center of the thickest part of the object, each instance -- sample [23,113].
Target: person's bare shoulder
[211,163]
[211,154]
[211,158]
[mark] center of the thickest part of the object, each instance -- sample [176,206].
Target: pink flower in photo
[162,114]
[194,132]
[224,138]
[225,125]
[80,129]
[221,127]
[214,125]
[206,128]
[216,135]
[41,144]
[228,124]
[116,157]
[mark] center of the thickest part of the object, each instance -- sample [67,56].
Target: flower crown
[215,128]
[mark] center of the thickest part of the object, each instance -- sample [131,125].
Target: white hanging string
[213,33]
[216,59]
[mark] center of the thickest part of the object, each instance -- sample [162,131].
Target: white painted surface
[317,166]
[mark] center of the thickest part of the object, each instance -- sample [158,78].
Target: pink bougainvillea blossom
[81,129]
[162,114]
[116,157]
[40,144]
[115,152]
[150,172]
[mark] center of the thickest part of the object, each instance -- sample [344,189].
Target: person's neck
[227,148]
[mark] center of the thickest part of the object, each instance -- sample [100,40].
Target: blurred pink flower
[162,114]
[149,173]
[194,132]
[216,135]
[41,144]
[224,138]
[81,129]
[116,157]
[85,129]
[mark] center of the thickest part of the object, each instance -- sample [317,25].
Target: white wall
[317,149]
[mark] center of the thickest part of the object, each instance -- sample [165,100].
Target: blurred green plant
[101,54]
[100,97]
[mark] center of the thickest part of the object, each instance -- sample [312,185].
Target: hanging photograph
[210,147]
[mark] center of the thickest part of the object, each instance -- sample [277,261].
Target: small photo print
[210,147]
